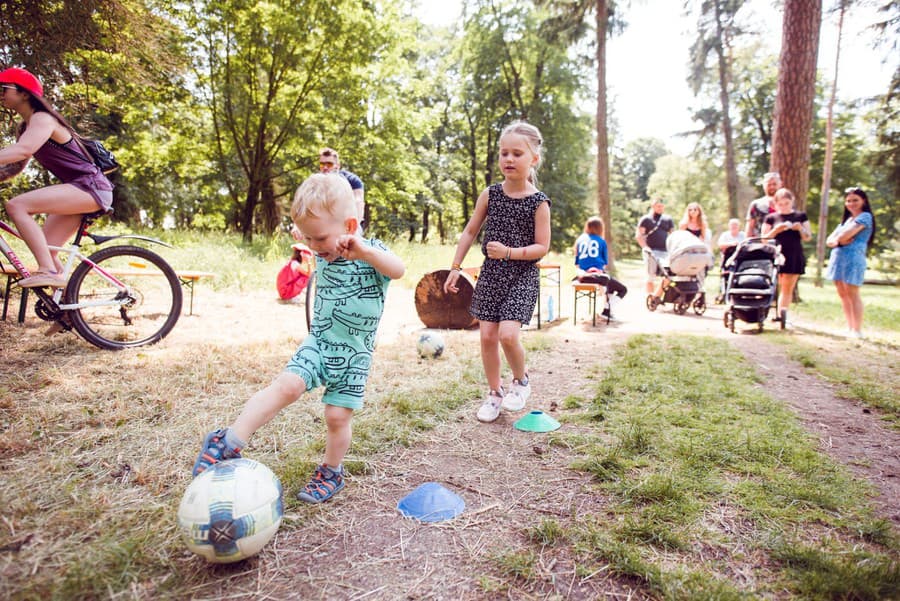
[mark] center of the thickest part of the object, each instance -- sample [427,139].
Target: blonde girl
[694,221]
[516,220]
[790,229]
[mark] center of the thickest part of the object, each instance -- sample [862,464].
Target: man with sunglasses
[330,162]
[761,207]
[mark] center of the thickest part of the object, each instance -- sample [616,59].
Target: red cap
[23,79]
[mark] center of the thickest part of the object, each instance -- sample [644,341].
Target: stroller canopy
[755,249]
[688,254]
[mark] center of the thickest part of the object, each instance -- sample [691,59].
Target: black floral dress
[508,290]
[790,241]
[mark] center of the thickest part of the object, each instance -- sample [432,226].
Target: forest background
[217,109]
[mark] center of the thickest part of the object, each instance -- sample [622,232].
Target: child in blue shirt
[591,261]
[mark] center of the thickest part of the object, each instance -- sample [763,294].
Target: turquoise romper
[337,353]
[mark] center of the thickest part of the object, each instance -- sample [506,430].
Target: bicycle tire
[310,300]
[153,298]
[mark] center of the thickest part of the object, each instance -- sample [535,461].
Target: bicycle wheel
[141,314]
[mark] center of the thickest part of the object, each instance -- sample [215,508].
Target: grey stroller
[683,270]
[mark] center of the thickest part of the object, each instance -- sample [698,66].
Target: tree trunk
[829,156]
[426,213]
[731,177]
[271,213]
[473,172]
[796,92]
[603,206]
[252,200]
[438,309]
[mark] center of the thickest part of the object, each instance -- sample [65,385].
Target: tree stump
[440,310]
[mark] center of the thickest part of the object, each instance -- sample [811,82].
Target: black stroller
[751,287]
[683,270]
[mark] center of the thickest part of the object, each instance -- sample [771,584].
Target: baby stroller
[751,288]
[683,271]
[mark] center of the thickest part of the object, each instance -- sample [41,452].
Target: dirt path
[360,549]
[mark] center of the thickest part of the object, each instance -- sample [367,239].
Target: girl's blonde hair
[535,142]
[594,225]
[686,219]
[323,194]
[787,194]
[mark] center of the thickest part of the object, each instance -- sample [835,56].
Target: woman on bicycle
[45,135]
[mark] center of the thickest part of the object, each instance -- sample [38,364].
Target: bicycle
[118,297]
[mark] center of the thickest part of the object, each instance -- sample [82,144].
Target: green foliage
[697,449]
[510,71]
[217,108]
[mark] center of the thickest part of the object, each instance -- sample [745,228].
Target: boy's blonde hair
[323,194]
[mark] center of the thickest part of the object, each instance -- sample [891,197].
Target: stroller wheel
[760,326]
[653,302]
[681,308]
[728,320]
[699,306]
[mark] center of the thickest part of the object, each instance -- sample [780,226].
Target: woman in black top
[790,229]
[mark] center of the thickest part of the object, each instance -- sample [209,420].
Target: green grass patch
[517,564]
[823,572]
[696,457]
[859,373]
[548,532]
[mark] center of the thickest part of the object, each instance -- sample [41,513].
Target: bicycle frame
[74,256]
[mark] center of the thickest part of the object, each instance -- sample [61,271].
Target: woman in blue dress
[847,264]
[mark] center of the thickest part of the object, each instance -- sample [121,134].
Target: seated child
[591,261]
[293,277]
[351,287]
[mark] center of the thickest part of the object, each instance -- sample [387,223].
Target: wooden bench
[11,276]
[549,272]
[590,292]
[187,279]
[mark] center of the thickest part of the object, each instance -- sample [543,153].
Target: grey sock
[232,441]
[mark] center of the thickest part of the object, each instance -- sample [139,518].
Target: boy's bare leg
[266,403]
[340,432]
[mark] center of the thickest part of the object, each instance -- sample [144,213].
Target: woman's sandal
[42,278]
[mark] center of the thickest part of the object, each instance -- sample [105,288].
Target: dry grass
[96,449]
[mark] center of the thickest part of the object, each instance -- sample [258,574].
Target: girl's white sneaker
[518,394]
[490,408]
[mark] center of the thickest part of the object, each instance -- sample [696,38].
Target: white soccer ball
[430,345]
[230,511]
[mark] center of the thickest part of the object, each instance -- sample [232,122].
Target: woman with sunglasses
[45,135]
[847,264]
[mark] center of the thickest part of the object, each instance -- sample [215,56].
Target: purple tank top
[68,163]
